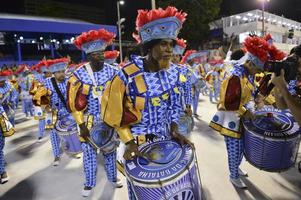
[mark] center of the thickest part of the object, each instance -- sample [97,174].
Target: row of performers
[144,100]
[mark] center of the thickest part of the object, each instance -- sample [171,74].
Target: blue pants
[213,94]
[2,161]
[41,127]
[28,107]
[195,101]
[235,155]
[90,165]
[55,143]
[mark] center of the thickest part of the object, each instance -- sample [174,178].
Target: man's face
[162,52]
[96,58]
[48,74]
[60,75]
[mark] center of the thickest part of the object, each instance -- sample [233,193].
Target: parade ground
[32,176]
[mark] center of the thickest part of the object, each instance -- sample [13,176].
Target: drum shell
[186,184]
[69,136]
[270,154]
[186,124]
[177,179]
[71,143]
[108,146]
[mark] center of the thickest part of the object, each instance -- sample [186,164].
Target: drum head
[101,134]
[165,160]
[273,123]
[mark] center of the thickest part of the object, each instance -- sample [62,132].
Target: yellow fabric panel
[140,84]
[112,102]
[90,121]
[78,117]
[125,134]
[140,103]
[183,79]
[86,89]
[131,69]
[72,92]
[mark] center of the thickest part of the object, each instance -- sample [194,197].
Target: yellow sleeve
[73,87]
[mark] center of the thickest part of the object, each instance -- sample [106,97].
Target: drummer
[7,96]
[53,99]
[190,59]
[39,79]
[84,93]
[143,94]
[237,91]
[185,76]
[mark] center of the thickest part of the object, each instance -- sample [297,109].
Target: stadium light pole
[263,10]
[153,4]
[119,27]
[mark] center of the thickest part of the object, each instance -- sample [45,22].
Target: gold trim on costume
[224,131]
[90,120]
[78,117]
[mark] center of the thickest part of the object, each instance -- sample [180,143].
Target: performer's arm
[77,99]
[112,106]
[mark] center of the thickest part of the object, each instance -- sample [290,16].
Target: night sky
[289,8]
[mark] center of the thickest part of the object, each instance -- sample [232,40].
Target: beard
[164,64]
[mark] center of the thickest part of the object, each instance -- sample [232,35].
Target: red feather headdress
[258,47]
[6,72]
[146,16]
[93,35]
[111,54]
[182,43]
[187,54]
[55,61]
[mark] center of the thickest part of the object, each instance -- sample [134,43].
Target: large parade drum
[271,141]
[186,124]
[103,138]
[67,130]
[38,113]
[166,172]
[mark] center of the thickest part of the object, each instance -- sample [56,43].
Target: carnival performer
[25,82]
[39,80]
[237,91]
[185,76]
[52,97]
[85,88]
[196,78]
[143,100]
[7,97]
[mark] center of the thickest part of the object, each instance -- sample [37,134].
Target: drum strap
[58,91]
